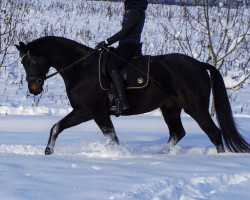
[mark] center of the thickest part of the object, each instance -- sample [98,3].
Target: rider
[129,41]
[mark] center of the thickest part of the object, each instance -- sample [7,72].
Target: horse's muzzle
[35,88]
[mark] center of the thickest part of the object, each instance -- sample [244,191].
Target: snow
[234,43]
[84,166]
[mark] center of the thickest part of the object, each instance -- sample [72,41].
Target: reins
[39,80]
[68,67]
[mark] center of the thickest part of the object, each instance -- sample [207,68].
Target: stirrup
[117,107]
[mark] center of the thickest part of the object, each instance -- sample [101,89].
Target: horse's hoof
[49,151]
[167,148]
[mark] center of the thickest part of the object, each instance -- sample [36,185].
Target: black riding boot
[120,89]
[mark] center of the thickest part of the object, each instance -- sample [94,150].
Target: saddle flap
[135,73]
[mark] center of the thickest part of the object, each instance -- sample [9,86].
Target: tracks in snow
[196,187]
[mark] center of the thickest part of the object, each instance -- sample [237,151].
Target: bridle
[40,80]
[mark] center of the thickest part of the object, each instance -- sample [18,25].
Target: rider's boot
[120,89]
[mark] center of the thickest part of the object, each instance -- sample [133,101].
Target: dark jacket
[132,24]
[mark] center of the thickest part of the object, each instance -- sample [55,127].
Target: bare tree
[11,14]
[218,34]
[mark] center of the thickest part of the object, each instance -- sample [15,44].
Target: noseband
[38,80]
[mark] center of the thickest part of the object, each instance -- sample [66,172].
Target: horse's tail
[232,138]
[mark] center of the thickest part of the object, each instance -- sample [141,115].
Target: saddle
[135,74]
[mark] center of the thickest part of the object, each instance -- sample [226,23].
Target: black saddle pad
[135,74]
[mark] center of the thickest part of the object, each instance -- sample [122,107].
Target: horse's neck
[65,58]
[61,51]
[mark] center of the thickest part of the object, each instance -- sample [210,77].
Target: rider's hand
[101,45]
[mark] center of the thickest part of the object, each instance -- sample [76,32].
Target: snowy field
[83,165]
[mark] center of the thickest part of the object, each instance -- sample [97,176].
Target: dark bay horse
[181,83]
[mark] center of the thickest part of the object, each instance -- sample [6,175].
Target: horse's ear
[21,47]
[18,47]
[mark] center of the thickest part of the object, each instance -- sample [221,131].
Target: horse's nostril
[32,87]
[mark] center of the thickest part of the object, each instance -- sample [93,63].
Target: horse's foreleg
[72,119]
[106,126]
[54,132]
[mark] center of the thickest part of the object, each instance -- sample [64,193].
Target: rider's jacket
[132,24]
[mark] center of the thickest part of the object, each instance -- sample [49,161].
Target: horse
[180,83]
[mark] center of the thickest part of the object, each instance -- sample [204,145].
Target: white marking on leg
[55,129]
[167,148]
[54,132]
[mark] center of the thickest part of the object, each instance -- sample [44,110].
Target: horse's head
[36,68]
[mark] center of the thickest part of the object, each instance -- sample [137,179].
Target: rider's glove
[101,45]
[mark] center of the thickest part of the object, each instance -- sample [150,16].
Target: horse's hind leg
[206,123]
[172,116]
[106,126]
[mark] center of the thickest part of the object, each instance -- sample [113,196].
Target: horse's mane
[54,41]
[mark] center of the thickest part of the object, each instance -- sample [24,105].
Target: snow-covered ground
[84,166]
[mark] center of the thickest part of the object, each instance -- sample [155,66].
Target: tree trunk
[212,110]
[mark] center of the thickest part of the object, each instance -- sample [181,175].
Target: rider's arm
[133,18]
